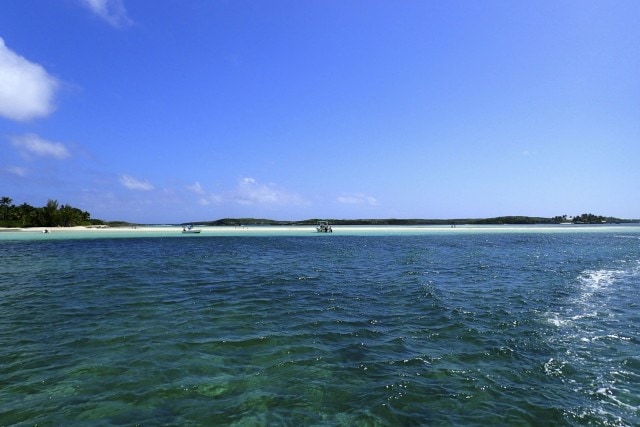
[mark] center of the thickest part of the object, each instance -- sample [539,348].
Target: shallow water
[524,327]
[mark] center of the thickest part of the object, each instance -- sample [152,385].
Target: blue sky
[170,111]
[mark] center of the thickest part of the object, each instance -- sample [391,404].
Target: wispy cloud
[247,192]
[205,198]
[251,192]
[112,11]
[31,144]
[16,170]
[26,89]
[208,199]
[196,188]
[358,199]
[135,184]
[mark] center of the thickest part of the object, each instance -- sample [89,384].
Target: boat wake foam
[594,347]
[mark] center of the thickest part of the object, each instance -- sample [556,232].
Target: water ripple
[349,330]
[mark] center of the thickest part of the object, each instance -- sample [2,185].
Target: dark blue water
[435,329]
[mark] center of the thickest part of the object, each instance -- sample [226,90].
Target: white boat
[324,227]
[190,230]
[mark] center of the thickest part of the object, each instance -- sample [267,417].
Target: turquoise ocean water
[478,326]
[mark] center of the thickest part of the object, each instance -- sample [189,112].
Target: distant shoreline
[56,219]
[247,223]
[505,220]
[267,229]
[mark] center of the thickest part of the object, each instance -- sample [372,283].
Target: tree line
[586,218]
[50,215]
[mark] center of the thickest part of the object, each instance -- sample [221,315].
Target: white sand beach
[82,232]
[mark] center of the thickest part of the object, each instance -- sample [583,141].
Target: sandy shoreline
[79,229]
[152,230]
[38,233]
[149,229]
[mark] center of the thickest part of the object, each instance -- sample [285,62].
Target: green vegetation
[587,218]
[513,220]
[50,215]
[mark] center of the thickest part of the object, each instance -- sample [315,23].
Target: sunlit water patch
[598,343]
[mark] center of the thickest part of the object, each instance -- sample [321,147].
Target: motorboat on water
[324,227]
[190,230]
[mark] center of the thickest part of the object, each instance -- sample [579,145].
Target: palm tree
[50,214]
[27,214]
[5,202]
[69,216]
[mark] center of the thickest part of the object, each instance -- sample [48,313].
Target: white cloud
[250,192]
[135,184]
[358,199]
[26,89]
[32,144]
[112,11]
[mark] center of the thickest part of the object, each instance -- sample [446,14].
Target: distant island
[586,218]
[55,215]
